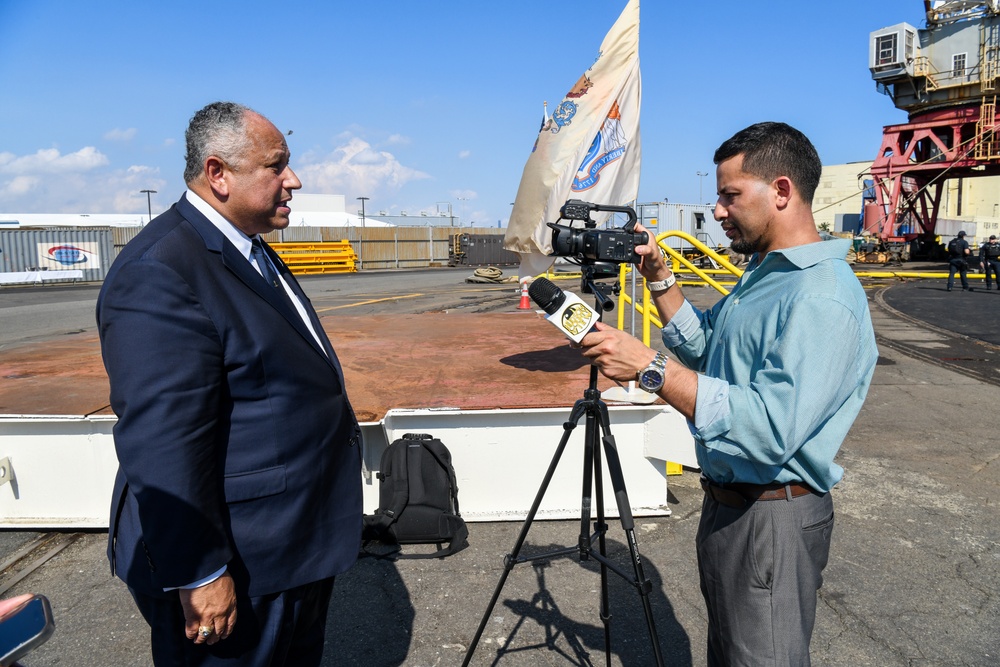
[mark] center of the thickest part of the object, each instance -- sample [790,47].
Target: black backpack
[418,497]
[956,249]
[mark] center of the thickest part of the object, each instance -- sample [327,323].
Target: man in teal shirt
[770,380]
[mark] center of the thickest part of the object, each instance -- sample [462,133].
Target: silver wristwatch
[651,377]
[661,285]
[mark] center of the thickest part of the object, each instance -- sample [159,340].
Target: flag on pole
[588,149]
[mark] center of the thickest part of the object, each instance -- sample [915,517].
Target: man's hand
[618,355]
[212,605]
[652,267]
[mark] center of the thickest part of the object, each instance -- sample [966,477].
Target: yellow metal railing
[684,269]
[922,66]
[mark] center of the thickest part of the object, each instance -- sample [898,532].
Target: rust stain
[60,377]
[472,361]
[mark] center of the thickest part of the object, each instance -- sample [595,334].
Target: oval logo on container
[68,255]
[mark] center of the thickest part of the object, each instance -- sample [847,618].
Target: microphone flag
[565,310]
[588,149]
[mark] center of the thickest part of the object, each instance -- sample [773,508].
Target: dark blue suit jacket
[236,441]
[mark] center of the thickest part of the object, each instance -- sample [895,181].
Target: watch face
[651,378]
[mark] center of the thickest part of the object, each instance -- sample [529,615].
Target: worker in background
[989,259]
[958,260]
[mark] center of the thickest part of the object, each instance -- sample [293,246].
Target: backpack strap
[437,449]
[458,542]
[385,516]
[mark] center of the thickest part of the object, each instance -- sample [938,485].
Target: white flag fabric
[589,149]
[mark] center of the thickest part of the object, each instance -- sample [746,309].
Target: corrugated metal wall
[90,250]
[387,247]
[481,250]
[376,247]
[123,235]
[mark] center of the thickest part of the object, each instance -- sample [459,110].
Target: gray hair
[220,130]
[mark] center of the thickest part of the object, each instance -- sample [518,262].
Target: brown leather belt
[740,495]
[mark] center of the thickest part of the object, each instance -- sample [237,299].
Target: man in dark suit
[238,497]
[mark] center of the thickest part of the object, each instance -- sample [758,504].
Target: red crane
[951,100]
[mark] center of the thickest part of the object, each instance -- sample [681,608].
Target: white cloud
[464,154]
[119,134]
[49,161]
[49,182]
[397,140]
[355,167]
[17,187]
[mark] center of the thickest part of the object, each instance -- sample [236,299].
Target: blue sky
[412,104]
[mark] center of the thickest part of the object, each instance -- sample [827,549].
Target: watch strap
[661,285]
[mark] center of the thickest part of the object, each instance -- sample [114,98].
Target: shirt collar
[810,254]
[228,229]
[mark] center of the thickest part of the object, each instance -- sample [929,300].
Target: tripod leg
[586,496]
[601,527]
[510,560]
[628,525]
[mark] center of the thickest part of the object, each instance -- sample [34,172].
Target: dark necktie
[267,271]
[264,264]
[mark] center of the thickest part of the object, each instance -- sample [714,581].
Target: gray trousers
[760,568]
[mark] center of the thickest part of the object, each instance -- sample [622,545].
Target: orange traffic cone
[525,302]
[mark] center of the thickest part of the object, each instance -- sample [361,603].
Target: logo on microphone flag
[577,318]
[588,149]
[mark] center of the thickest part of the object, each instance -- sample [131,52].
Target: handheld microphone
[563,309]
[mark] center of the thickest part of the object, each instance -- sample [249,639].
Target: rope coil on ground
[489,274]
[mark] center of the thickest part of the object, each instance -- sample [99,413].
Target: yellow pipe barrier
[623,271]
[913,274]
[680,265]
[679,260]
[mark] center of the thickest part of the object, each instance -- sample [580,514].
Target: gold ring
[205,631]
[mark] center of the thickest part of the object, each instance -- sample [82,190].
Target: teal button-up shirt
[786,361]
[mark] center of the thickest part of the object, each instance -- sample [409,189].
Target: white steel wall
[694,219]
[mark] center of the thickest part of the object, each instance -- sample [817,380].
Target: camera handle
[627,210]
[580,210]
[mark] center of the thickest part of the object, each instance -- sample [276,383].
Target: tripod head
[601,292]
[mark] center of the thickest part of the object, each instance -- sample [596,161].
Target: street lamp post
[361,241]
[362,200]
[701,179]
[149,203]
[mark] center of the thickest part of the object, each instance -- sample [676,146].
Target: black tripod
[597,421]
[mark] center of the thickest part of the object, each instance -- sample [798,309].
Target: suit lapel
[310,311]
[236,263]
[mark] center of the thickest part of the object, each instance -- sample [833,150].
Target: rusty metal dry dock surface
[429,360]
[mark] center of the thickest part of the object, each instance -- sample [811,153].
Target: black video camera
[588,244]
